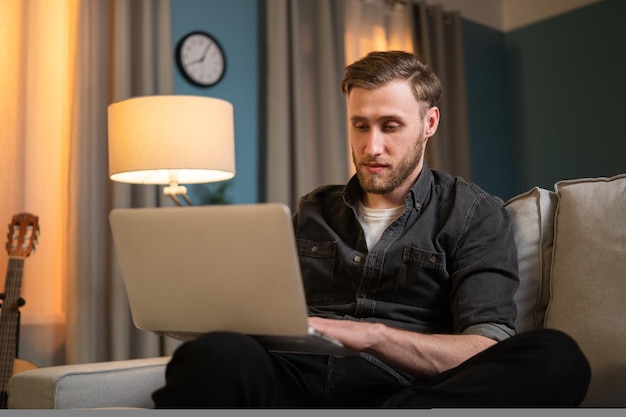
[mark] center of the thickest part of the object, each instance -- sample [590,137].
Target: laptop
[192,270]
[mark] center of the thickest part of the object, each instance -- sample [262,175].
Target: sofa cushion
[588,280]
[532,215]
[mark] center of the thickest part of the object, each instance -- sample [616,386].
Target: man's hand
[356,335]
[416,353]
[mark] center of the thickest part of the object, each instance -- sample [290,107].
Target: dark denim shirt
[448,264]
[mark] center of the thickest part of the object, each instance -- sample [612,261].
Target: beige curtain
[438,39]
[376,25]
[64,62]
[123,50]
[306,116]
[36,43]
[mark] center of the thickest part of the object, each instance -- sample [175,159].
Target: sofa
[572,262]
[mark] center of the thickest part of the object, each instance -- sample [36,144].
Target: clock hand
[206,51]
[202,58]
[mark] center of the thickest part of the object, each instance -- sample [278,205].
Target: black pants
[538,369]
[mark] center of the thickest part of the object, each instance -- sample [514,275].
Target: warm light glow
[11,113]
[376,26]
[171,139]
[36,50]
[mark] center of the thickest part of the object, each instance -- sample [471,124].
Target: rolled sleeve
[486,274]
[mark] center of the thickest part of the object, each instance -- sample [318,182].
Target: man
[411,267]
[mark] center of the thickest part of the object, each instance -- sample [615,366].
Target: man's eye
[360,126]
[391,127]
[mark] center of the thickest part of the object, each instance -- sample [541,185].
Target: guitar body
[21,365]
[21,237]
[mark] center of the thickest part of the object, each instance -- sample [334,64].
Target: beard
[398,173]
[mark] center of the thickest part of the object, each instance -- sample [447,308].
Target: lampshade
[171,139]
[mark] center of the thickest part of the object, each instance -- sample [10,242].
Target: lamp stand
[174,190]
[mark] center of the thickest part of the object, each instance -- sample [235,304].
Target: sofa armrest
[128,383]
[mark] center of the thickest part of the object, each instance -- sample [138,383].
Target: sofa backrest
[572,261]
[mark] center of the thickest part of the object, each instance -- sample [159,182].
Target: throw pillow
[589,282]
[532,215]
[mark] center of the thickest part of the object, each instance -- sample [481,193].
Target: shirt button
[433,259]
[314,249]
[418,205]
[357,258]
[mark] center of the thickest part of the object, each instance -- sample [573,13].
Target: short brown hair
[380,67]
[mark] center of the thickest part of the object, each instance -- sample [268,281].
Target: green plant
[214,193]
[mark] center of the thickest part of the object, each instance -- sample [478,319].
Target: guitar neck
[9,318]
[23,232]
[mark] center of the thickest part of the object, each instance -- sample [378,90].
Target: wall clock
[200,59]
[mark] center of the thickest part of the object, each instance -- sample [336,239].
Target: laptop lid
[189,270]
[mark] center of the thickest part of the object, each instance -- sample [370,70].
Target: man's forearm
[425,354]
[415,353]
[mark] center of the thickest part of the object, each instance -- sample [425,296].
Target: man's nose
[375,142]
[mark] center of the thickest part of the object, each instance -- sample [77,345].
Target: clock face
[200,59]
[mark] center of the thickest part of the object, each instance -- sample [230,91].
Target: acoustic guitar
[22,236]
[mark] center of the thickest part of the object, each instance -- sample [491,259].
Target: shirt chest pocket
[423,280]
[317,262]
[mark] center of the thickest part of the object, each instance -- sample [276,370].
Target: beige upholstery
[126,384]
[532,214]
[572,261]
[588,281]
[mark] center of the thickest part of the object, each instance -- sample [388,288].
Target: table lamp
[171,140]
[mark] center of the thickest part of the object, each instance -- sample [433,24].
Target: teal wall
[235,25]
[492,148]
[546,102]
[569,86]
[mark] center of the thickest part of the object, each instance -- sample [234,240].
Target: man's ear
[431,121]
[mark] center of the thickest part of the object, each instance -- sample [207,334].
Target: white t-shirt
[375,221]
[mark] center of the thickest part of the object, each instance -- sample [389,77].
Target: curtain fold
[12,106]
[438,40]
[306,116]
[123,50]
[34,127]
[376,25]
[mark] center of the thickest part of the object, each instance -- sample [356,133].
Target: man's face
[388,132]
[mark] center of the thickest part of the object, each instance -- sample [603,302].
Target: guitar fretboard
[9,317]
